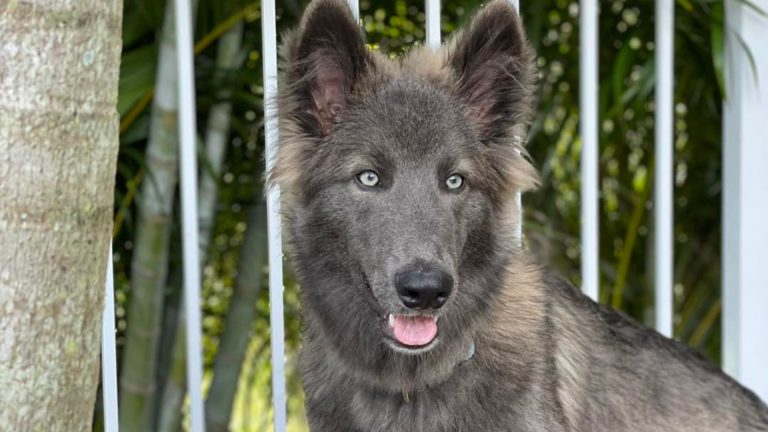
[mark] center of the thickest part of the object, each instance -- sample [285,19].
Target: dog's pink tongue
[414,331]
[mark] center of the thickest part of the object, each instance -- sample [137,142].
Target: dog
[421,311]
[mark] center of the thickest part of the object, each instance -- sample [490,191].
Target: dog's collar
[470,351]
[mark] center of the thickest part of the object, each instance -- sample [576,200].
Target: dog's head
[399,181]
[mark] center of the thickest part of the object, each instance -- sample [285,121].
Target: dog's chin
[383,361]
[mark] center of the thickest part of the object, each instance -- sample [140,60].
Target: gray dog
[421,312]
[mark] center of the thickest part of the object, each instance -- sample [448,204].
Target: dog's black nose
[424,288]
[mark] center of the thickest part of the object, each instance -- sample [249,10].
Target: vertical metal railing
[109,351]
[590,227]
[588,85]
[432,9]
[276,317]
[355,6]
[189,221]
[663,214]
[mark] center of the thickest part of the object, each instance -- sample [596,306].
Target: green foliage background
[627,79]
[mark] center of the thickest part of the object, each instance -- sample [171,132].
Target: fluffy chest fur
[473,398]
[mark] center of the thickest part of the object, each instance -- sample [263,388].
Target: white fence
[745,227]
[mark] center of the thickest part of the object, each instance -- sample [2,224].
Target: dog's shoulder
[621,330]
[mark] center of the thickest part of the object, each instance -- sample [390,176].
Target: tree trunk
[153,231]
[59,68]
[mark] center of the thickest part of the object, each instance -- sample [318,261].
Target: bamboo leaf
[757,9]
[686,4]
[137,131]
[620,72]
[718,55]
[137,76]
[750,57]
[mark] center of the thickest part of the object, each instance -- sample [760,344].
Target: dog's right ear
[325,58]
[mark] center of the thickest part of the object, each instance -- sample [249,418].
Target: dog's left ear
[495,69]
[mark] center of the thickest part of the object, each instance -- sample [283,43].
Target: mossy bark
[59,138]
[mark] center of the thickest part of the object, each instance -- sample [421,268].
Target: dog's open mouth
[412,331]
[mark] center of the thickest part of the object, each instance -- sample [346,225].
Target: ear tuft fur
[324,59]
[322,63]
[495,69]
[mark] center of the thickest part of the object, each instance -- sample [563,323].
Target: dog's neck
[467,357]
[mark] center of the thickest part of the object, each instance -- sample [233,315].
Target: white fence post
[663,210]
[276,318]
[745,198]
[355,6]
[588,85]
[189,223]
[109,351]
[432,8]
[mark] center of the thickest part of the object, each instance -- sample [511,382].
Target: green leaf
[137,76]
[137,132]
[757,9]
[620,72]
[718,55]
[641,88]
[750,57]
[141,18]
[686,4]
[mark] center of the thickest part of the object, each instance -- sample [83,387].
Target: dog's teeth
[391,321]
[434,319]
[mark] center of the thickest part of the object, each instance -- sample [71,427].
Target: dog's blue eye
[455,181]
[368,178]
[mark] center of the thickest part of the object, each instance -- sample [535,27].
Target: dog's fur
[545,358]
